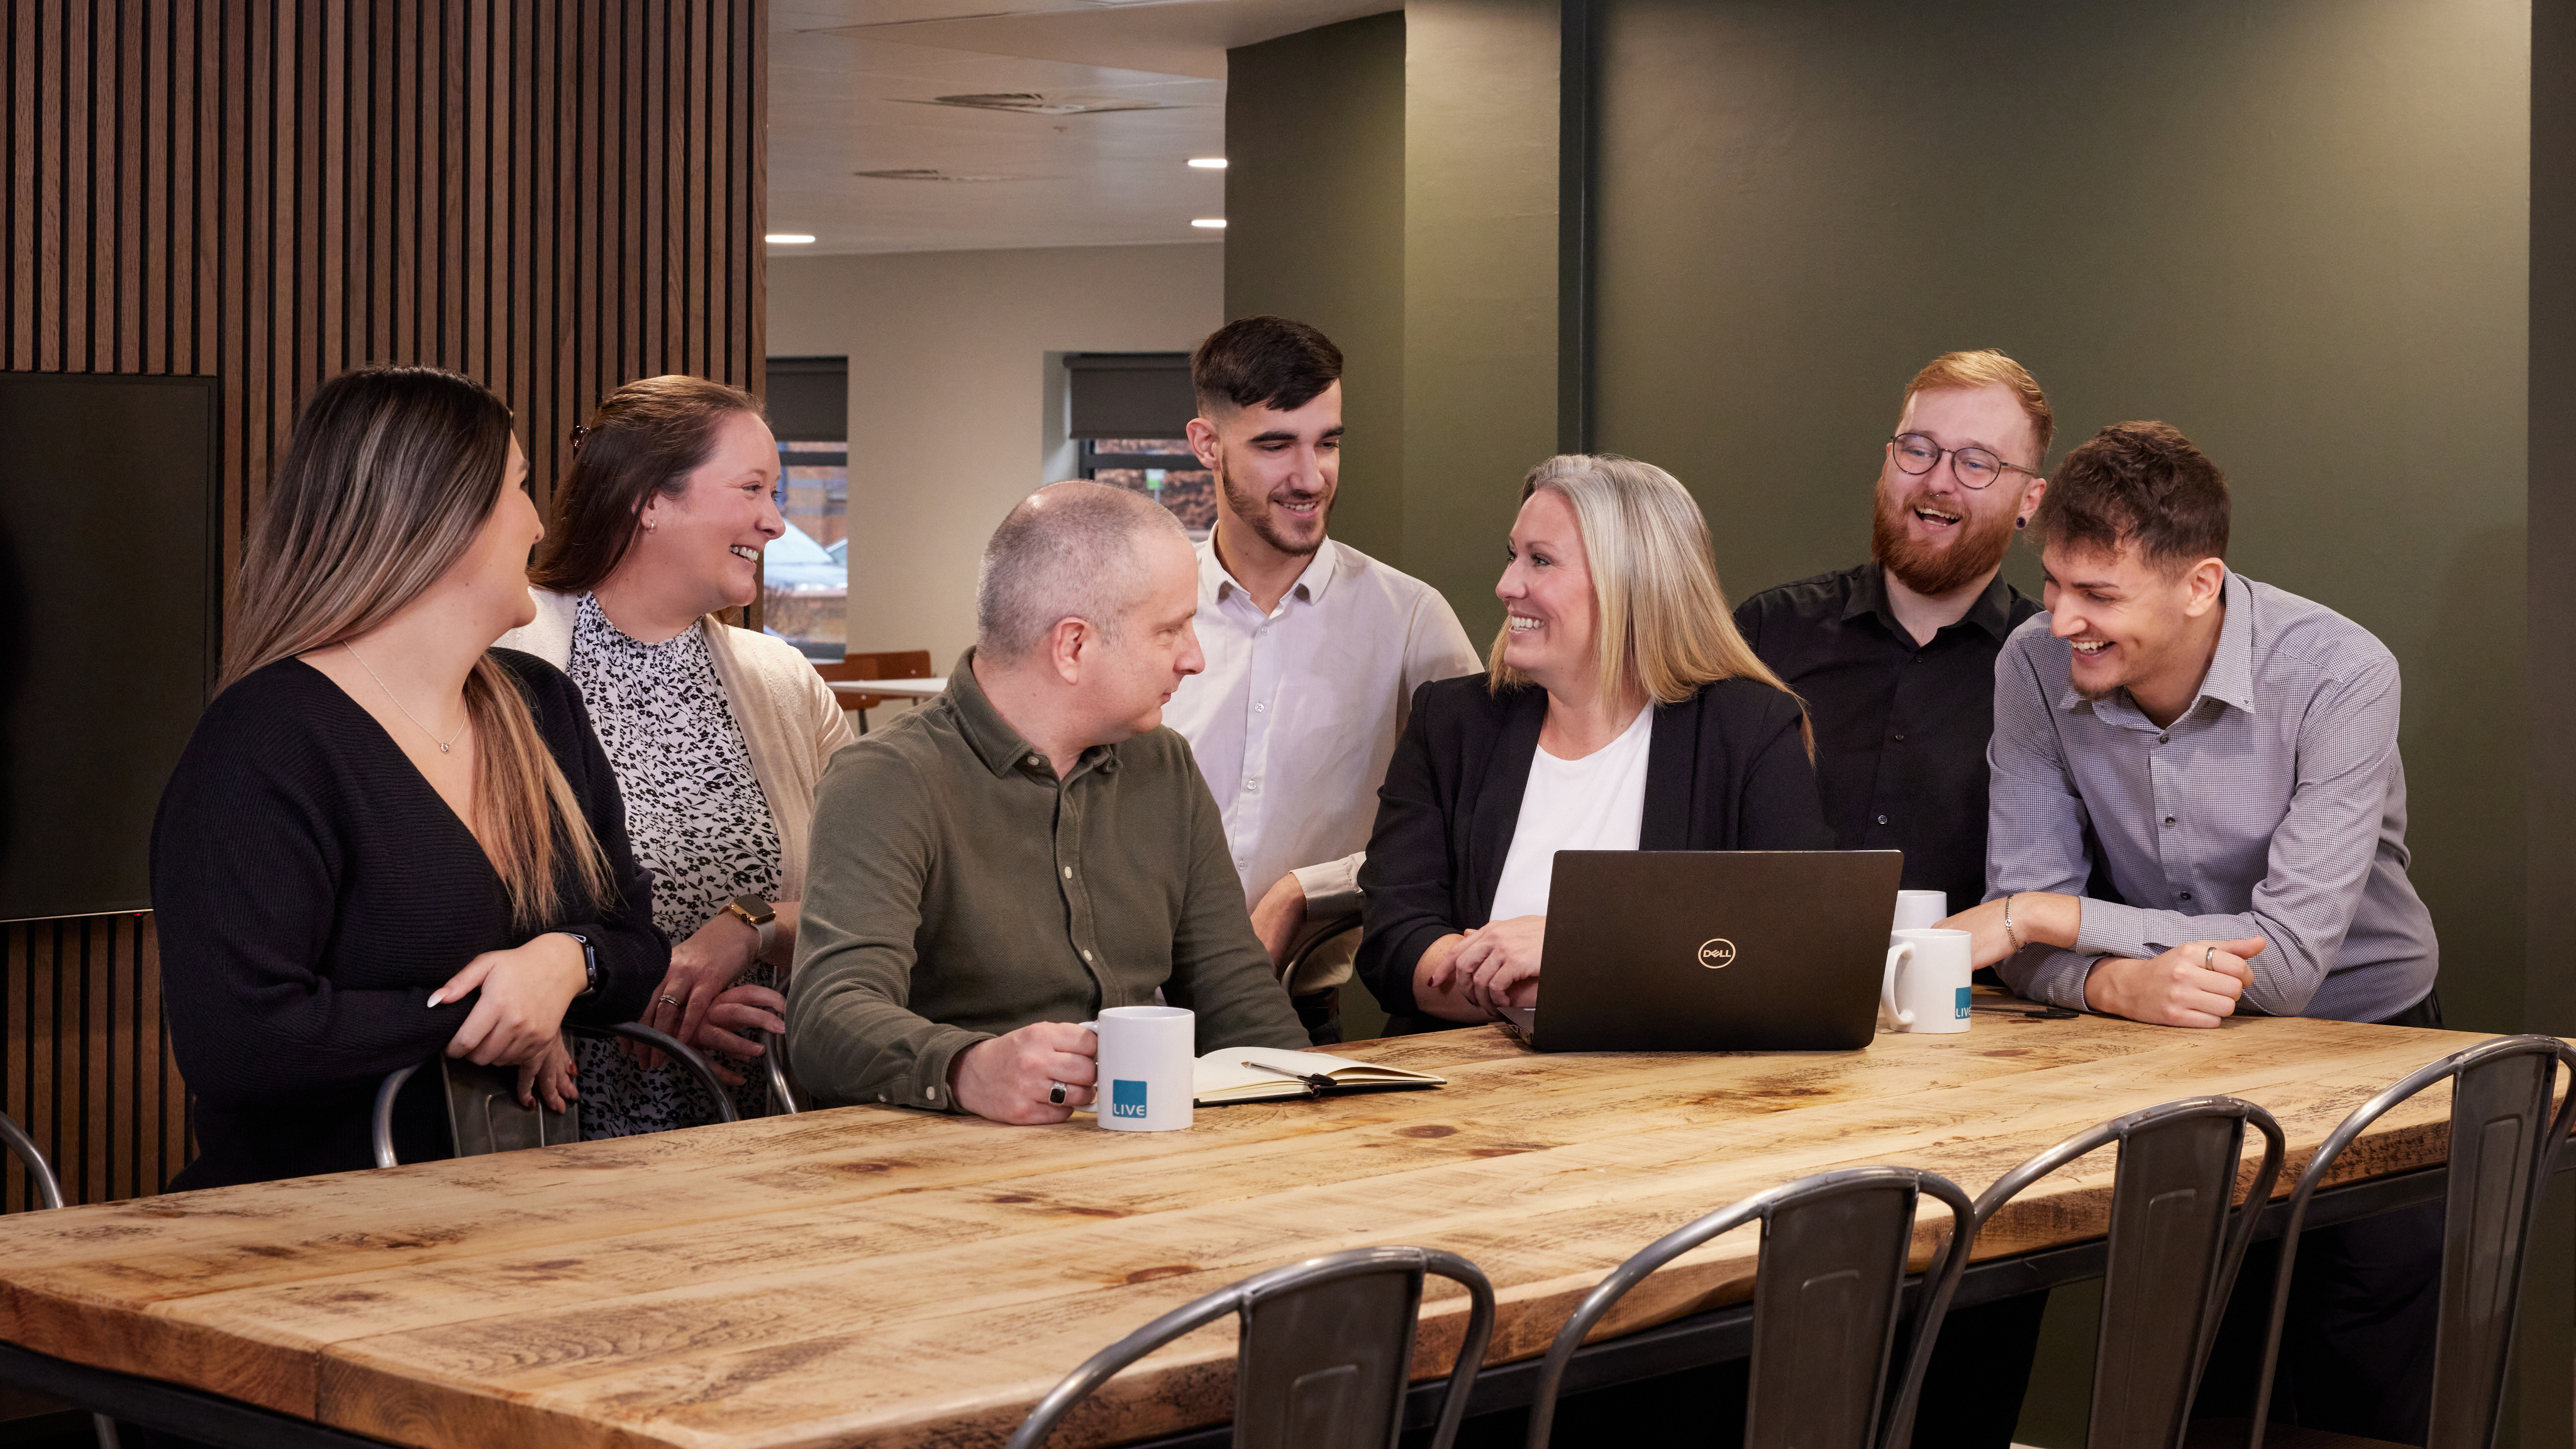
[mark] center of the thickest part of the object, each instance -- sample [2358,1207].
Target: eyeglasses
[1973,467]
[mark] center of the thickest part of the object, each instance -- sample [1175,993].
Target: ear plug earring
[2021,523]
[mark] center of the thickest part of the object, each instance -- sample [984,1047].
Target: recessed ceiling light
[1208,163]
[786,238]
[1212,223]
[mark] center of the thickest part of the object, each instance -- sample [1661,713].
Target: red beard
[1936,569]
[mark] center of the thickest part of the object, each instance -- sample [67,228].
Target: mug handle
[1896,956]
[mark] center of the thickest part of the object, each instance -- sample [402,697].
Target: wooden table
[881,1277]
[896,688]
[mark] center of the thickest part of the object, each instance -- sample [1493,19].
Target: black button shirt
[1901,730]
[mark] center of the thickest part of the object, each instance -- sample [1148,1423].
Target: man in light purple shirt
[2231,750]
[1313,648]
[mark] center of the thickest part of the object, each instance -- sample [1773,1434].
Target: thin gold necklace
[443,745]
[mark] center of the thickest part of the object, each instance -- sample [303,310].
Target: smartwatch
[759,915]
[589,967]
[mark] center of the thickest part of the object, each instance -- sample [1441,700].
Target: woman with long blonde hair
[385,839]
[1619,710]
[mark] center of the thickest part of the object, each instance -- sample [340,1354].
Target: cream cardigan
[790,719]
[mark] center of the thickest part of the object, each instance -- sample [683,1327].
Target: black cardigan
[1726,769]
[312,889]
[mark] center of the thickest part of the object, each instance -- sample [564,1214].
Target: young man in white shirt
[1313,648]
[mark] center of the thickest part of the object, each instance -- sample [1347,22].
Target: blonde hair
[389,477]
[1659,617]
[1986,367]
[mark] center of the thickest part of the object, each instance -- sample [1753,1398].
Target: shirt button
[2163,739]
[1252,785]
[1068,872]
[2186,895]
[1242,864]
[1900,737]
[1882,820]
[2169,820]
[1036,760]
[1086,955]
[1258,706]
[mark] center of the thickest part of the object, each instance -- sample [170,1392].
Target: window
[805,572]
[1130,411]
[1163,468]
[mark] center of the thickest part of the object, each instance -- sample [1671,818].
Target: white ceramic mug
[1148,1060]
[1918,909]
[1926,988]
[1914,911]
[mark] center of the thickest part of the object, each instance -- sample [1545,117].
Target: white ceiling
[847,79]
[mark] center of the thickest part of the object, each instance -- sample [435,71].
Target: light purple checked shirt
[2275,806]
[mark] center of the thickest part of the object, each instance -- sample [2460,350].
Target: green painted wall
[1314,204]
[2297,230]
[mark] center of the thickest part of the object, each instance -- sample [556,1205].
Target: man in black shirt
[1896,661]
[1896,658]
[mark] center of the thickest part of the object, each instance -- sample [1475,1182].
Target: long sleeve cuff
[925,1084]
[1332,888]
[2046,973]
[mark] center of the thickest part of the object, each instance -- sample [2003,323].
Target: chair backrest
[1828,1293]
[49,1191]
[483,1111]
[886,664]
[1333,930]
[2173,1254]
[2504,1140]
[1325,1354]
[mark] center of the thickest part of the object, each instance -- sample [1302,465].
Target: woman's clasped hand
[1496,964]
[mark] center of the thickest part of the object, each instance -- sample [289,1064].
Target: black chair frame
[2497,1177]
[2173,1252]
[635,1031]
[1302,1325]
[49,1191]
[1819,1233]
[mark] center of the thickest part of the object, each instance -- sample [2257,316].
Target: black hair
[2140,485]
[1263,362]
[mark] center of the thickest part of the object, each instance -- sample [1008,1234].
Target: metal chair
[2504,1141]
[782,1096]
[1828,1291]
[503,1125]
[1325,1353]
[1318,1009]
[2173,1254]
[49,1191]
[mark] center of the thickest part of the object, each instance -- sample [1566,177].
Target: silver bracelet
[2009,933]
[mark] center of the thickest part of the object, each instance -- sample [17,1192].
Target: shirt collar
[1991,612]
[1215,584]
[1003,749]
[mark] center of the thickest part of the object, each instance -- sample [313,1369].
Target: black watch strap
[589,966]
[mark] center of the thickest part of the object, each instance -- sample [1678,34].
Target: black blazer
[1727,769]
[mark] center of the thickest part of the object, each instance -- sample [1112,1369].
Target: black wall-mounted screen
[110,600]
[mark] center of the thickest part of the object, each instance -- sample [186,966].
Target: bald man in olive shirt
[1032,847]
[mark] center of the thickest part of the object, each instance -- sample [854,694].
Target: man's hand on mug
[1498,966]
[2194,984]
[1011,1078]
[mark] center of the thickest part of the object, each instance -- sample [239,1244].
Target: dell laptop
[1712,950]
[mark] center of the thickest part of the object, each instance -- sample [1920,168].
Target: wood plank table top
[874,1276]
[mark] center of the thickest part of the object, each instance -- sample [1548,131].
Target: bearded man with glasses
[1896,661]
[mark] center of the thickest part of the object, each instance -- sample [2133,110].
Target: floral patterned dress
[696,819]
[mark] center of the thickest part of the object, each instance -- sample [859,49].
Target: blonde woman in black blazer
[1618,656]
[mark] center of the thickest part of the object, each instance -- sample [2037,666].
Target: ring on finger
[1055,1094]
[2209,958]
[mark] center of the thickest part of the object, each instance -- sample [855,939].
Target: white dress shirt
[1297,712]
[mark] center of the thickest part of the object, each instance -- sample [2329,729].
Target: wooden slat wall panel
[550,195]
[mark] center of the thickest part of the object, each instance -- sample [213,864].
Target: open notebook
[1268,1074]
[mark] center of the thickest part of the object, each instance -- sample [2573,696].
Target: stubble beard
[1254,510]
[1932,570]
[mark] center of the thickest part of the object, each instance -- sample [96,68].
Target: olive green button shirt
[958,890]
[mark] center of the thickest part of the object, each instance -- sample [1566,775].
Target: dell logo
[1717,953]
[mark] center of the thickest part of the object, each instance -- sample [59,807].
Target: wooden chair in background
[892,664]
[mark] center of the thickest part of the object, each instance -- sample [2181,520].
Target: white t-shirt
[1594,803]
